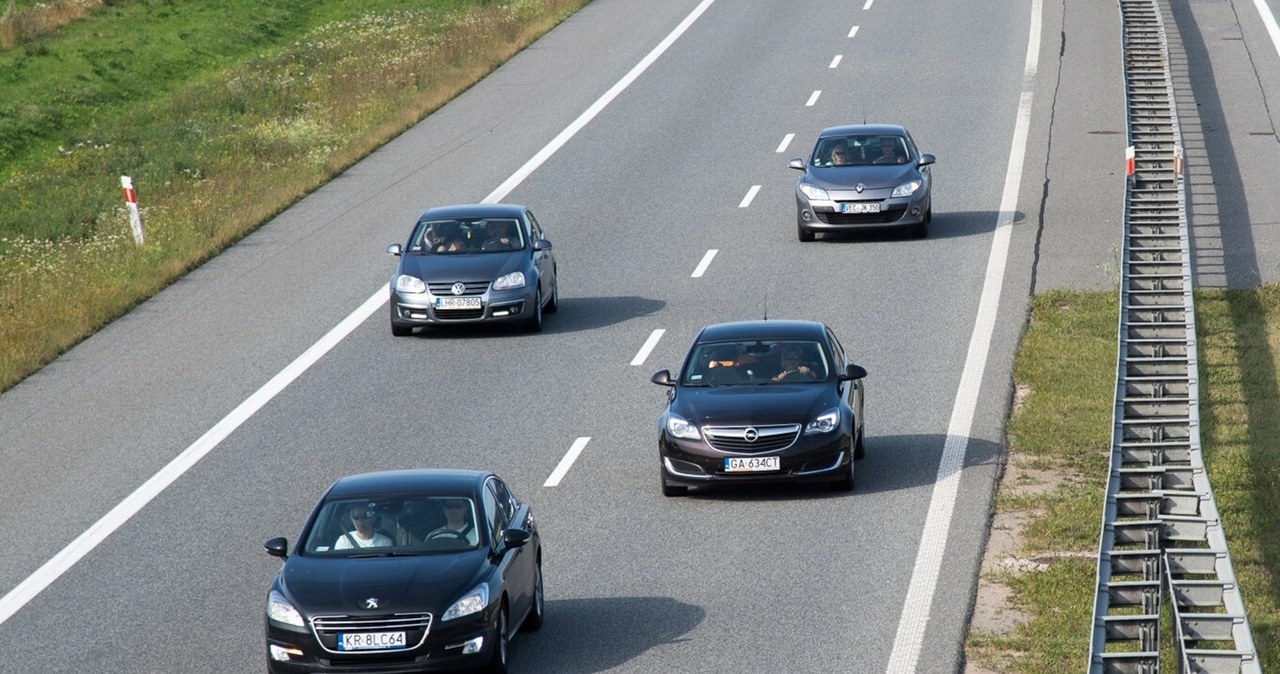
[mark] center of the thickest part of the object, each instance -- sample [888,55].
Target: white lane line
[751,194]
[813,98]
[933,540]
[643,354]
[566,463]
[786,142]
[853,31]
[706,262]
[836,61]
[25,591]
[1269,20]
[867,5]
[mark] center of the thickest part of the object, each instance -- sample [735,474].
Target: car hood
[754,405]
[464,267]
[885,176]
[317,585]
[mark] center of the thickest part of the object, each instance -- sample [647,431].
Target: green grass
[223,113]
[1065,370]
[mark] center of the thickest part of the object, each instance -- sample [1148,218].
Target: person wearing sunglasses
[793,368]
[840,155]
[457,522]
[363,534]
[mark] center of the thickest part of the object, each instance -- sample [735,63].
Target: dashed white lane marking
[786,142]
[647,348]
[909,640]
[813,98]
[867,5]
[751,194]
[566,463]
[51,570]
[836,61]
[853,31]
[706,262]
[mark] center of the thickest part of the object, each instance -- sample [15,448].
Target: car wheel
[533,621]
[554,305]
[670,490]
[498,656]
[803,234]
[859,446]
[845,483]
[398,329]
[535,322]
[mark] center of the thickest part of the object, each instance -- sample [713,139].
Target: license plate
[860,207]
[363,641]
[457,302]
[751,464]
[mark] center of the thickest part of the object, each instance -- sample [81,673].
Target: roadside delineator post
[1177,161]
[1129,162]
[131,200]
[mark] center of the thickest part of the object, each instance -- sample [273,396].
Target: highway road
[145,468]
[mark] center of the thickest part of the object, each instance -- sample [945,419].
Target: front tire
[533,621]
[859,445]
[535,322]
[498,656]
[554,304]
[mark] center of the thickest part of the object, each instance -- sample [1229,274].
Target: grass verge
[1036,592]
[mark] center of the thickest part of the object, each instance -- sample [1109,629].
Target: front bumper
[416,309]
[827,216]
[815,458]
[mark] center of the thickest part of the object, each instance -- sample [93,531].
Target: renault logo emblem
[750,435]
[371,602]
[860,187]
[459,288]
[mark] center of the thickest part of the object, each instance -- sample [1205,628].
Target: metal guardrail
[1161,536]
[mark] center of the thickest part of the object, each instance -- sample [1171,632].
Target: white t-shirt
[378,541]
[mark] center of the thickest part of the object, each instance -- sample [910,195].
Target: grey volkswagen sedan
[471,264]
[863,176]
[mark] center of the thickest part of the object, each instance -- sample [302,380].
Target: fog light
[281,653]
[473,646]
[805,215]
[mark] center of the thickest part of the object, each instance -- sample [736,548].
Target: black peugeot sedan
[473,263]
[406,571]
[761,401]
[862,176]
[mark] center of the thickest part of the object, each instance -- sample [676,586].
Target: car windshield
[403,525]
[756,362]
[860,150]
[453,237]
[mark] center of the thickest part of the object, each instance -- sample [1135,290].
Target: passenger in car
[364,533]
[723,367]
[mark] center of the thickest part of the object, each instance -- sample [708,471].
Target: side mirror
[852,372]
[394,249]
[515,538]
[926,159]
[277,547]
[662,378]
[542,244]
[797,164]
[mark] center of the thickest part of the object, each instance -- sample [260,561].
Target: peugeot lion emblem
[371,602]
[860,187]
[750,435]
[459,288]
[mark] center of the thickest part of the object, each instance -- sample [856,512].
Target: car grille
[883,217]
[414,625]
[767,438]
[446,289]
[460,314]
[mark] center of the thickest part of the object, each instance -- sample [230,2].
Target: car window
[756,362]
[492,514]
[400,525]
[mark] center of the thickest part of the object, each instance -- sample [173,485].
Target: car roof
[408,481]
[863,129]
[765,329]
[466,211]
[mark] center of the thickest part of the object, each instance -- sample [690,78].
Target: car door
[516,574]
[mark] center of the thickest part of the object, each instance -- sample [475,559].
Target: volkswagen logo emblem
[459,288]
[859,187]
[750,435]
[371,602]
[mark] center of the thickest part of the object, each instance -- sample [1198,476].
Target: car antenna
[766,305]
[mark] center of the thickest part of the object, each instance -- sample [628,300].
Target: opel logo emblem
[459,288]
[750,435]
[860,187]
[371,602]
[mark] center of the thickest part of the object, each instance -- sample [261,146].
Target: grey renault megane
[473,263]
[863,176]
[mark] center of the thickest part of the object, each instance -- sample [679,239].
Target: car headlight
[280,610]
[410,284]
[825,423]
[815,193]
[681,428]
[907,189]
[473,602]
[510,282]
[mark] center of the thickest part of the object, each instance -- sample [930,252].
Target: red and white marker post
[1129,162]
[131,200]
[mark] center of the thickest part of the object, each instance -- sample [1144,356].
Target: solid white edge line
[853,31]
[570,456]
[909,640]
[57,565]
[836,61]
[1269,20]
[751,194]
[706,262]
[643,354]
[117,516]
[786,142]
[813,98]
